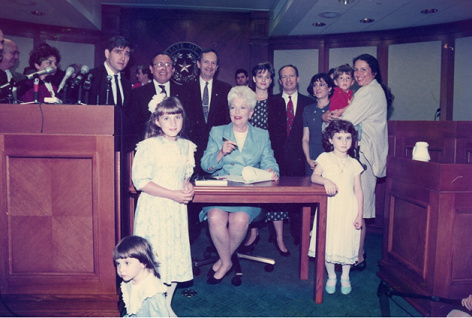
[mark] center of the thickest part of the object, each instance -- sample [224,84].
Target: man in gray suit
[11,54]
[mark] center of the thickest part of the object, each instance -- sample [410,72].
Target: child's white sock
[346,270]
[330,270]
[170,295]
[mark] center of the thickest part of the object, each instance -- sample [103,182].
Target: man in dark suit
[207,107]
[8,63]
[162,68]
[291,159]
[110,87]
[208,104]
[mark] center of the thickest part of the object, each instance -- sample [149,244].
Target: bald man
[11,55]
[3,76]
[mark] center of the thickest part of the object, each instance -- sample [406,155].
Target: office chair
[208,257]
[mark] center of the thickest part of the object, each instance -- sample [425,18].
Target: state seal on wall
[185,56]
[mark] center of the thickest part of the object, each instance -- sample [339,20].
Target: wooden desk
[286,190]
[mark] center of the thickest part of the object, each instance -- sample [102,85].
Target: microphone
[69,71]
[36,90]
[108,88]
[88,80]
[83,71]
[47,70]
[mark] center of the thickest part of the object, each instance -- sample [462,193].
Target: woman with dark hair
[40,58]
[322,88]
[267,116]
[369,109]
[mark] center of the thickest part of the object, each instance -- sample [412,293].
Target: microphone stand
[108,90]
[36,89]
[87,85]
[64,94]
[79,96]
[11,99]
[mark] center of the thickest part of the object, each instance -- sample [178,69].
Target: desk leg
[305,242]
[320,253]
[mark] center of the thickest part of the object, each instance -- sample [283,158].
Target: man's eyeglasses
[160,64]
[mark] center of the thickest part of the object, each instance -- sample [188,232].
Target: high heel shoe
[213,281]
[360,266]
[258,238]
[249,248]
[211,272]
[282,253]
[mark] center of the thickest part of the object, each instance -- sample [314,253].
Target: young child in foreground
[143,291]
[341,176]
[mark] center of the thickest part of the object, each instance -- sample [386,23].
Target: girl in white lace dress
[340,175]
[161,170]
[143,291]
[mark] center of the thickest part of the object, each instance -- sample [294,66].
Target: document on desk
[249,175]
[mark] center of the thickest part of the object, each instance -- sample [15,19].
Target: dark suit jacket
[99,88]
[197,130]
[277,124]
[137,110]
[292,160]
[98,93]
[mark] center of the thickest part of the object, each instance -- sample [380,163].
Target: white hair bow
[156,100]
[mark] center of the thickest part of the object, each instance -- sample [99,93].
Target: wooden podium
[57,204]
[427,245]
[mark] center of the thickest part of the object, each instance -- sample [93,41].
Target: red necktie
[290,115]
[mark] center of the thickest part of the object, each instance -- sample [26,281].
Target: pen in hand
[224,139]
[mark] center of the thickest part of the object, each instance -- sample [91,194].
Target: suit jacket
[137,109]
[98,91]
[256,152]
[369,108]
[292,159]
[277,124]
[3,80]
[196,128]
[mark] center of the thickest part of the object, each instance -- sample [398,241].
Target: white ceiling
[287,17]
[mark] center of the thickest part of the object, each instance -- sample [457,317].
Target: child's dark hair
[339,126]
[340,70]
[168,106]
[139,248]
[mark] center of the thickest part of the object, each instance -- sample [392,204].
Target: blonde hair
[168,106]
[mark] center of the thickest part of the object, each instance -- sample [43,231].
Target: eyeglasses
[160,64]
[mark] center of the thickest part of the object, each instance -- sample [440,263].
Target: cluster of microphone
[81,82]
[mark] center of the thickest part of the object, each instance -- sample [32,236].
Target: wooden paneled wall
[241,39]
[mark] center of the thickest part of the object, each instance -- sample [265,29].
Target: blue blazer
[257,152]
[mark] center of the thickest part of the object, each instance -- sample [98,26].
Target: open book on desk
[249,175]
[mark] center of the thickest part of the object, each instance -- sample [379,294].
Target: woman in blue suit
[244,145]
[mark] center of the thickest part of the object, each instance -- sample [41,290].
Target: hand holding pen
[228,146]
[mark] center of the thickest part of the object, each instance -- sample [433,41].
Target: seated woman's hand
[228,147]
[275,176]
